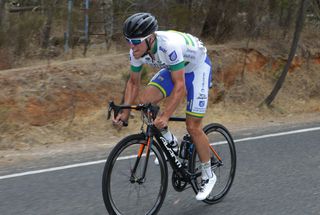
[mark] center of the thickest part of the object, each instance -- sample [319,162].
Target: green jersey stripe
[136,68]
[190,39]
[177,66]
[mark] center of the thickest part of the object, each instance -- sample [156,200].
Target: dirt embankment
[63,101]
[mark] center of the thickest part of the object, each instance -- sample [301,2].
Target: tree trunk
[2,13]
[107,6]
[287,21]
[294,45]
[199,10]
[252,17]
[46,31]
[272,9]
[316,7]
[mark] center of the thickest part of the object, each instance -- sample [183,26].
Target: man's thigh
[150,94]
[197,84]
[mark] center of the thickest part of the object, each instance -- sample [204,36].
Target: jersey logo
[160,78]
[173,56]
[162,49]
[202,103]
[202,96]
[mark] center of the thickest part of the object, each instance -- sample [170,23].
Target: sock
[169,137]
[206,170]
[167,134]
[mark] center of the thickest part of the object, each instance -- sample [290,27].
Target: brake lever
[111,107]
[116,110]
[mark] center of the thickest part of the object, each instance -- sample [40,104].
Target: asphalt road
[276,174]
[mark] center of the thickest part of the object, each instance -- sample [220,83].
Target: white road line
[128,157]
[51,169]
[279,134]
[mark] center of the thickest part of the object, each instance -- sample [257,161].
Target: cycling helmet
[140,25]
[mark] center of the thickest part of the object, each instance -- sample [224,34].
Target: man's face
[138,46]
[139,50]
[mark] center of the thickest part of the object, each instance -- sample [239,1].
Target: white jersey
[173,50]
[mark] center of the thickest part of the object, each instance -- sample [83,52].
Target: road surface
[278,172]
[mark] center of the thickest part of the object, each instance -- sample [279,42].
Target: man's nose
[131,45]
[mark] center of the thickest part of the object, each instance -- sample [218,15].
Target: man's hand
[161,121]
[122,117]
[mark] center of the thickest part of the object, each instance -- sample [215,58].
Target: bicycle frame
[151,133]
[172,158]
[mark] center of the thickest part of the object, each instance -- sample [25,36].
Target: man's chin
[136,56]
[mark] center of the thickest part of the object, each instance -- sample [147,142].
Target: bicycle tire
[225,147]
[126,200]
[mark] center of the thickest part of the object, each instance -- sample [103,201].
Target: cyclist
[185,71]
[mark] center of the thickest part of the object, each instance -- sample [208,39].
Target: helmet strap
[148,47]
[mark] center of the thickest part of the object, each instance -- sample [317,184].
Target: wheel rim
[220,140]
[127,197]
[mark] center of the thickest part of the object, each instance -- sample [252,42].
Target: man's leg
[153,95]
[200,139]
[194,127]
[159,87]
[150,94]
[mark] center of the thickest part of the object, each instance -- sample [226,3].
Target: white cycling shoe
[206,187]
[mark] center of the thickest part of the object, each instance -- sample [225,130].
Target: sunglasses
[136,41]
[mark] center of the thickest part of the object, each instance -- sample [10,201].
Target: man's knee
[150,94]
[194,126]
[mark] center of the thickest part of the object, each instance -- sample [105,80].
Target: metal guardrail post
[69,26]
[86,26]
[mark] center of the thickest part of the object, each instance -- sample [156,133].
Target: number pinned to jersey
[173,56]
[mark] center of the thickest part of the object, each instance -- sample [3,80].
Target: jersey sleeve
[136,64]
[174,57]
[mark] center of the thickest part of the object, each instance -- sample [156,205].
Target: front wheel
[125,190]
[223,161]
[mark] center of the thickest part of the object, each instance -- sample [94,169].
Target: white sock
[206,170]
[169,137]
[167,134]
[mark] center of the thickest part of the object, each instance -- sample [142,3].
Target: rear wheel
[124,190]
[222,142]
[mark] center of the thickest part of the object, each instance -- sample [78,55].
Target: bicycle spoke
[135,196]
[223,161]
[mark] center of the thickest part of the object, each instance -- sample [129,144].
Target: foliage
[217,20]
[24,30]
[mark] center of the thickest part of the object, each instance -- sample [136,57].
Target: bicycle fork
[133,178]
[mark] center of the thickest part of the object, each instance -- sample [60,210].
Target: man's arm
[132,88]
[131,93]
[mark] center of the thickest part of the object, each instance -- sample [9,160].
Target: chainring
[177,182]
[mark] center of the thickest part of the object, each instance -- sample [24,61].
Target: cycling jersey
[173,50]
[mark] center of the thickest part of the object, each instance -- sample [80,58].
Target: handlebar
[149,108]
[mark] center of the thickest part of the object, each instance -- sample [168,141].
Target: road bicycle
[132,183]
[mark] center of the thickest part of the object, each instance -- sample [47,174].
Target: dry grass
[238,107]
